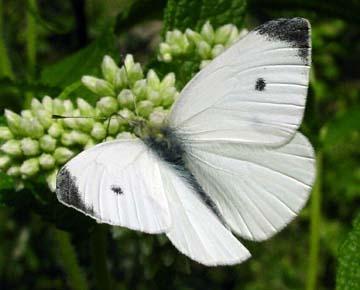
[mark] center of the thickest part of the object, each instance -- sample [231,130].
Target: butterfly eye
[260,84]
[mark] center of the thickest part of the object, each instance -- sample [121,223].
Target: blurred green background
[35,38]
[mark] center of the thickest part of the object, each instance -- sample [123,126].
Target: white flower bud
[98,131]
[158,116]
[193,36]
[19,185]
[139,89]
[13,121]
[46,161]
[121,79]
[63,154]
[168,96]
[51,179]
[5,134]
[233,37]
[109,69]
[125,135]
[152,79]
[98,86]
[166,57]
[47,143]
[85,108]
[91,142]
[58,107]
[27,114]
[68,106]
[4,162]
[14,171]
[85,124]
[222,34]
[55,130]
[44,117]
[243,32]
[126,98]
[30,167]
[135,73]
[29,147]
[207,32]
[36,104]
[217,49]
[67,139]
[48,104]
[32,127]
[79,137]
[154,96]
[109,138]
[204,50]
[204,63]
[107,106]
[113,125]
[144,108]
[12,147]
[125,116]
[168,80]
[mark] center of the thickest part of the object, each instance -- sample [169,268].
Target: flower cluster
[207,44]
[36,143]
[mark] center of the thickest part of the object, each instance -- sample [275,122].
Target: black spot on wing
[117,189]
[294,31]
[68,192]
[260,84]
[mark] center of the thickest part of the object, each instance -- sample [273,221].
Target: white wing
[196,231]
[258,189]
[254,92]
[118,183]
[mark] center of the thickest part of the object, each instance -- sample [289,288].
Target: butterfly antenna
[77,117]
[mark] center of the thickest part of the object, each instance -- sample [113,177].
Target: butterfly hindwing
[119,183]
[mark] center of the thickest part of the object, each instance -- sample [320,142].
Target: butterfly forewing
[118,183]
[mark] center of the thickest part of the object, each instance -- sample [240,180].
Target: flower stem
[98,255]
[315,220]
[67,254]
[31,42]
[5,65]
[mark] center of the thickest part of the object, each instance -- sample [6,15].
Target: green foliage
[193,14]
[348,273]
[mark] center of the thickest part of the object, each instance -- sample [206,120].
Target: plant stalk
[5,65]
[31,43]
[315,222]
[75,276]
[98,255]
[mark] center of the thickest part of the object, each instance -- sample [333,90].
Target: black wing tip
[292,30]
[68,193]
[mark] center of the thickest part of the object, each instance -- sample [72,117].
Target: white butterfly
[229,158]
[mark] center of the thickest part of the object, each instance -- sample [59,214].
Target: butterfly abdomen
[170,149]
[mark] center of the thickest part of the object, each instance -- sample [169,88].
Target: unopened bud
[98,86]
[27,114]
[30,167]
[216,50]
[193,36]
[107,106]
[98,131]
[154,96]
[5,134]
[46,161]
[58,107]
[36,104]
[68,106]
[222,34]
[47,143]
[144,108]
[126,99]
[152,79]
[168,96]
[51,179]
[79,137]
[207,32]
[125,135]
[109,69]
[113,125]
[14,171]
[55,130]
[85,108]
[48,104]
[32,127]
[204,50]
[12,147]
[13,121]
[63,154]
[4,162]
[121,79]
[29,147]
[91,142]
[158,116]
[44,117]
[139,89]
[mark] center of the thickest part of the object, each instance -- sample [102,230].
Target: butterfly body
[229,158]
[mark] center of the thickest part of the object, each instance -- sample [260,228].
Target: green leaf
[341,129]
[193,14]
[84,62]
[348,273]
